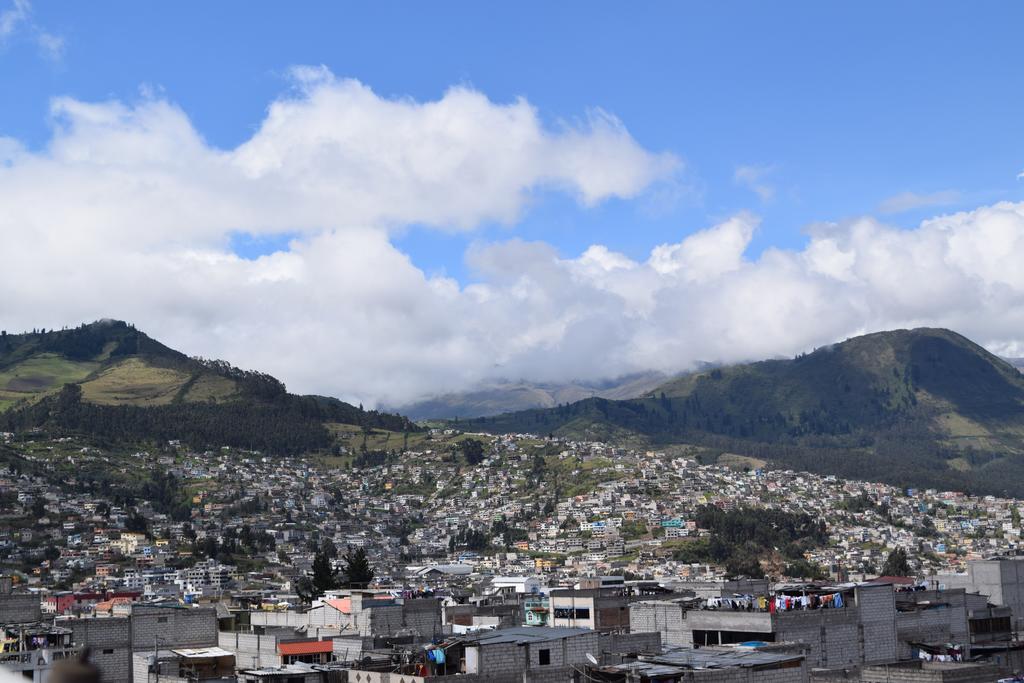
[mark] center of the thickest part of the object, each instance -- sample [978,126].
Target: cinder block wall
[195,627]
[423,616]
[666,618]
[19,608]
[113,640]
[250,649]
[109,641]
[632,642]
[877,606]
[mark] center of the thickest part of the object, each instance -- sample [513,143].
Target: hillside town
[475,542]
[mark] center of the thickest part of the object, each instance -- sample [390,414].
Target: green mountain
[109,380]
[924,407]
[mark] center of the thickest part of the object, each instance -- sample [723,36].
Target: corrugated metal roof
[706,658]
[203,652]
[524,634]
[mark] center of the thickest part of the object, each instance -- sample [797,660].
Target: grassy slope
[134,381]
[114,364]
[36,376]
[131,388]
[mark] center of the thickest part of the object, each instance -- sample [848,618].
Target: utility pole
[156,659]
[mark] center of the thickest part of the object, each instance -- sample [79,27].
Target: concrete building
[931,617]
[29,651]
[511,655]
[600,609]
[114,640]
[364,613]
[935,672]
[188,665]
[516,584]
[862,631]
[1001,580]
[28,647]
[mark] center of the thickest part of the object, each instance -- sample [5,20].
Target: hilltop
[922,407]
[109,380]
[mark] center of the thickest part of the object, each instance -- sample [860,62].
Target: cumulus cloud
[128,212]
[908,201]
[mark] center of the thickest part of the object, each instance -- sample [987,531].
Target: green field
[134,382]
[37,376]
[212,388]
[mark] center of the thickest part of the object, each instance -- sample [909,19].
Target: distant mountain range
[504,396]
[494,398]
[924,407]
[111,381]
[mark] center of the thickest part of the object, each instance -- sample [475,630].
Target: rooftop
[306,647]
[524,634]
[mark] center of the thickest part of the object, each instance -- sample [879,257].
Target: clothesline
[776,603]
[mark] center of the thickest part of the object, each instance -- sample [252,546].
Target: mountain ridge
[108,379]
[921,406]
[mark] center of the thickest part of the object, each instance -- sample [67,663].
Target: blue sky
[842,105]
[425,197]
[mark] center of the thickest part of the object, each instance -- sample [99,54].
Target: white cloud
[12,17]
[51,45]
[907,201]
[19,16]
[753,177]
[128,211]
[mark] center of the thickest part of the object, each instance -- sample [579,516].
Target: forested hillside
[109,380]
[924,407]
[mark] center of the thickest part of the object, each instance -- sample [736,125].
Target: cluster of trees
[288,426]
[469,539]
[245,542]
[165,493]
[896,564]
[473,451]
[355,572]
[741,539]
[81,343]
[270,428]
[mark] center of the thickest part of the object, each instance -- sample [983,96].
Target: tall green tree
[325,576]
[357,572]
[473,451]
[896,564]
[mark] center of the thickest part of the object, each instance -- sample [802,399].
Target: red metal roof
[306,647]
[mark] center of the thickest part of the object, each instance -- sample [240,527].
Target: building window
[544,656]
[161,620]
[108,651]
[570,613]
